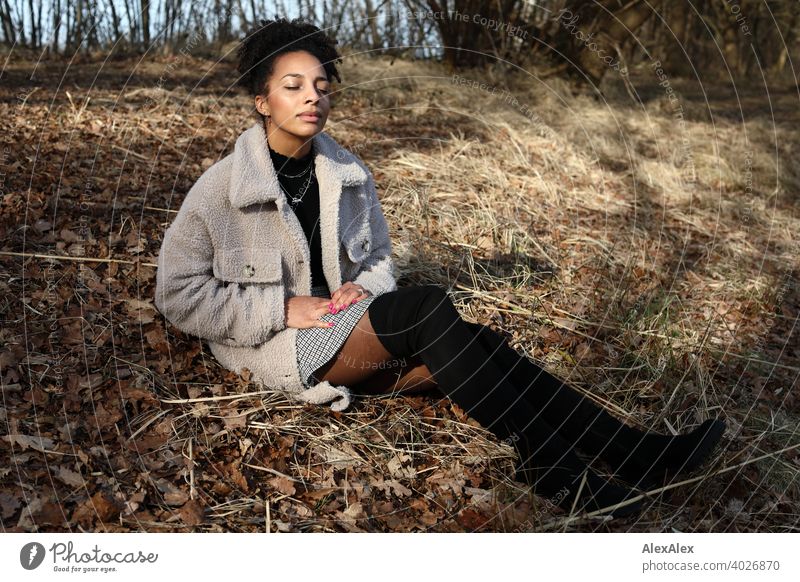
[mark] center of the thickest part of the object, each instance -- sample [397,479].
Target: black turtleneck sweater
[307,209]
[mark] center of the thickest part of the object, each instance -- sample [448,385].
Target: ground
[645,252]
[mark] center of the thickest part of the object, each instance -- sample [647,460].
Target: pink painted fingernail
[330,324]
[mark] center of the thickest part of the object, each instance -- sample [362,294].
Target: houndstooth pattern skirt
[317,345]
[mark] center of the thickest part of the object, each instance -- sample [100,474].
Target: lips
[311,116]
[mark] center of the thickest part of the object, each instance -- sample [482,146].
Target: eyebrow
[299,75]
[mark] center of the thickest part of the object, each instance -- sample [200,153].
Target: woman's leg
[639,457]
[409,376]
[422,321]
[364,365]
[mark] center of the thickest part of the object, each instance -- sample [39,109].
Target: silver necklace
[295,200]
[295,176]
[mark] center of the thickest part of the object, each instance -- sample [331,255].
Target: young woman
[280,257]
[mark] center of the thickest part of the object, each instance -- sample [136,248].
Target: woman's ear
[261,105]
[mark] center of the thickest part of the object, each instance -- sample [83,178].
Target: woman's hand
[346,295]
[304,311]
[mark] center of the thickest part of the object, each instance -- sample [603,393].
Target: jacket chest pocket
[248,265]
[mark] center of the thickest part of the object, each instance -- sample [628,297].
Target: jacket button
[249,270]
[365,244]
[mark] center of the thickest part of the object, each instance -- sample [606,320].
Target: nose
[312,96]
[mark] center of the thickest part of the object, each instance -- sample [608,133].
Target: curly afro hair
[270,39]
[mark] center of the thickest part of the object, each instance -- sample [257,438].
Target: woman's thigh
[364,364]
[409,376]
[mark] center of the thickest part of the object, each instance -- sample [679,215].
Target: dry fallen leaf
[70,477]
[172,495]
[8,504]
[192,512]
[32,442]
[283,485]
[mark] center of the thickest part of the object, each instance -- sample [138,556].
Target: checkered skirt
[317,345]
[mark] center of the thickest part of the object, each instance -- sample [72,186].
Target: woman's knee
[436,300]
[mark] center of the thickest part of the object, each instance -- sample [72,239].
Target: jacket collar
[253,178]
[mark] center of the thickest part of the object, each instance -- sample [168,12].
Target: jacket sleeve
[377,270]
[230,312]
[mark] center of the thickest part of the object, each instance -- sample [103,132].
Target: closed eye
[323,91]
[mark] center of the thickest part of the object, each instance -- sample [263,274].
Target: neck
[285,143]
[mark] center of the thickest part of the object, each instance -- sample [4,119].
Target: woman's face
[298,85]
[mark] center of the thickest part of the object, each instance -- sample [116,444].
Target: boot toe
[709,434]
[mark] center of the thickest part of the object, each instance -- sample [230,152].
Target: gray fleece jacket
[236,251]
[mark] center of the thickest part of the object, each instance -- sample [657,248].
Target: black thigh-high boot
[642,458]
[422,321]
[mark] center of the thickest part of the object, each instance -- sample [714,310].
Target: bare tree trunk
[372,24]
[39,21]
[145,5]
[56,26]
[79,24]
[33,23]
[93,25]
[74,12]
[221,33]
[168,40]
[670,39]
[466,29]
[21,26]
[243,21]
[417,34]
[68,26]
[8,24]
[131,23]
[594,32]
[309,11]
[114,20]
[789,40]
